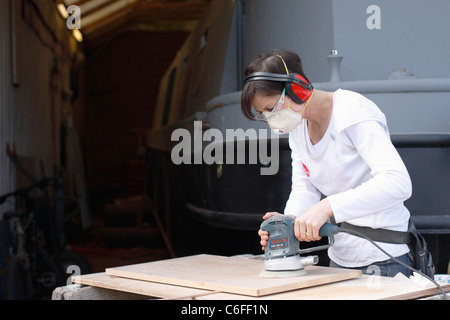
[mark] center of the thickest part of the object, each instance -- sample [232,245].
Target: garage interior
[80,100]
[84,82]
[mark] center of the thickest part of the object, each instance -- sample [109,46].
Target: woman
[341,149]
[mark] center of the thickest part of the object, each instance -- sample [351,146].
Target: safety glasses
[265,115]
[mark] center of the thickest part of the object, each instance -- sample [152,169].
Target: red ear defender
[299,91]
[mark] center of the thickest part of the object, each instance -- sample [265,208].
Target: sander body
[282,257]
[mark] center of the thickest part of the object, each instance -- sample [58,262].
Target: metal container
[393,52]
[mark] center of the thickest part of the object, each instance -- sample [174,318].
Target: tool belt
[417,245]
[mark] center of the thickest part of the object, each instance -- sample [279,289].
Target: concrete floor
[112,246]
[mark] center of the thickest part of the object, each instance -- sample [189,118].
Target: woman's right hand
[264,234]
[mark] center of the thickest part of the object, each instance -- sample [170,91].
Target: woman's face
[277,112]
[263,103]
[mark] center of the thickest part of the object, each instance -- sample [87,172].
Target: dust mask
[284,121]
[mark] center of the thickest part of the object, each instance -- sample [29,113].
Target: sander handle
[328,230]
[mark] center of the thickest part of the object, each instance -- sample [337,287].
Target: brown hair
[269,62]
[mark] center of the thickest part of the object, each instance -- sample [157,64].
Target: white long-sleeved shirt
[357,167]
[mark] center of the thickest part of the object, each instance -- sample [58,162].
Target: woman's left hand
[308,224]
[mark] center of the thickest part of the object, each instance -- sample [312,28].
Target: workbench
[107,286]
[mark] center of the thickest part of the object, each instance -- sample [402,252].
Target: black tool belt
[417,245]
[381,235]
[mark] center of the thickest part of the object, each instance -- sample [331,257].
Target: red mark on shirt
[306,169]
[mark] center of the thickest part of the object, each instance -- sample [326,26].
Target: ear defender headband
[297,87]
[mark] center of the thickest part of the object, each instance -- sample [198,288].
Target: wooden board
[367,287]
[101,286]
[227,274]
[145,288]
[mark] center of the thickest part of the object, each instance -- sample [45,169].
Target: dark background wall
[121,85]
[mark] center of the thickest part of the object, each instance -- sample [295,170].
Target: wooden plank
[227,274]
[145,288]
[75,292]
[104,287]
[79,174]
[366,287]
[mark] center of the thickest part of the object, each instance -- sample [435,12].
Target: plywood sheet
[227,274]
[367,287]
[146,288]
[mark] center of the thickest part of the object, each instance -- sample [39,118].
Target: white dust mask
[283,121]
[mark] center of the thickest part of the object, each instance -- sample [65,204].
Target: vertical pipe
[6,111]
[240,28]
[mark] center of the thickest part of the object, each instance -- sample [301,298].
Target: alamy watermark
[374,20]
[374,279]
[74,19]
[191,150]
[75,273]
[72,15]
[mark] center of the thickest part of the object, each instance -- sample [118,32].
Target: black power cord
[358,234]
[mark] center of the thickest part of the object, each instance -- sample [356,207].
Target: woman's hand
[308,224]
[264,234]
